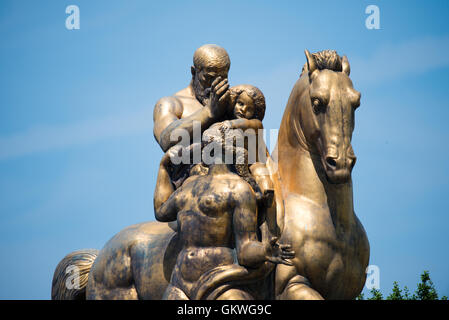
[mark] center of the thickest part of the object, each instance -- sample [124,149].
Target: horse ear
[311,63]
[345,67]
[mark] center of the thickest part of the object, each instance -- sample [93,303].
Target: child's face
[244,107]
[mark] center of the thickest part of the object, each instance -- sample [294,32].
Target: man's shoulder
[242,192]
[187,98]
[181,102]
[187,92]
[170,105]
[170,101]
[238,185]
[177,98]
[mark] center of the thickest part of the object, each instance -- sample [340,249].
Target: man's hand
[175,151]
[219,97]
[279,253]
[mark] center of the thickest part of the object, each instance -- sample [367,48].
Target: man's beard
[202,94]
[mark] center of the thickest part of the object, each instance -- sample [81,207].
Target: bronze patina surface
[276,228]
[313,177]
[218,230]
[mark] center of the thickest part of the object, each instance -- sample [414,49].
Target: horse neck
[299,170]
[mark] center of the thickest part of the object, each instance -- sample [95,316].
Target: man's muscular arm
[168,121]
[166,111]
[168,210]
[168,125]
[250,251]
[164,187]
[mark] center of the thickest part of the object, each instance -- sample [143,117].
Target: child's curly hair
[254,93]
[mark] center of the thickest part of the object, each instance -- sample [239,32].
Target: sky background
[78,160]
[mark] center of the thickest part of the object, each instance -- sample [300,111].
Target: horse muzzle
[338,169]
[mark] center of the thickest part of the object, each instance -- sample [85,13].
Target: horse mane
[326,59]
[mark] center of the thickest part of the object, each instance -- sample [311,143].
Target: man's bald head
[209,62]
[211,56]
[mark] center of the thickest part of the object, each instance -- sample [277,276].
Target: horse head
[326,113]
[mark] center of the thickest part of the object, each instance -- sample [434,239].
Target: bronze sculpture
[210,68]
[312,212]
[217,212]
[332,250]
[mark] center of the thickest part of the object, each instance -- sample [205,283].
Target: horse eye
[317,105]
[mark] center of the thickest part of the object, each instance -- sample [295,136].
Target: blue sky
[78,160]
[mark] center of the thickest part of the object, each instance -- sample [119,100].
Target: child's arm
[244,124]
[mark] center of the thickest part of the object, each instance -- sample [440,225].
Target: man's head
[209,62]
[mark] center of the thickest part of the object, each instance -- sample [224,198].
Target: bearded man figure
[203,101]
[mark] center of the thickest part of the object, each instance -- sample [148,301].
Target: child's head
[247,102]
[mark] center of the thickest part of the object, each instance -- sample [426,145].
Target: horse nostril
[352,161]
[331,162]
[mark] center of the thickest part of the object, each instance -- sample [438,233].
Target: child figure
[246,111]
[247,107]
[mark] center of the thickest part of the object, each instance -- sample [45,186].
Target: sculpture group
[234,222]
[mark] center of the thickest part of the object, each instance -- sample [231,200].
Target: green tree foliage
[397,293]
[407,295]
[375,294]
[361,296]
[425,290]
